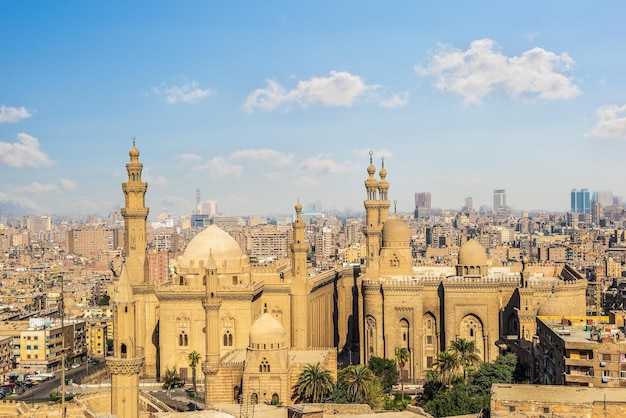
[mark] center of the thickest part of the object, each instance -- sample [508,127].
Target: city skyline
[269,104]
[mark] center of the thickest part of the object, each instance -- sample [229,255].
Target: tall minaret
[299,306]
[373,227]
[127,360]
[211,304]
[135,214]
[383,195]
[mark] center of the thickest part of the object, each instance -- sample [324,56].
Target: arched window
[254,398]
[264,367]
[236,394]
[123,350]
[183,339]
[228,339]
[404,333]
[275,399]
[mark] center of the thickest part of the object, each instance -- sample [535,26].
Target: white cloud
[274,176]
[339,89]
[477,72]
[305,182]
[63,185]
[185,93]
[155,180]
[191,157]
[219,167]
[323,165]
[13,114]
[13,202]
[610,123]
[66,184]
[23,153]
[275,158]
[395,101]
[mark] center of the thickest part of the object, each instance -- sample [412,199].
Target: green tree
[467,354]
[104,300]
[194,359]
[502,370]
[170,377]
[446,363]
[358,380]
[455,402]
[386,371]
[402,358]
[314,383]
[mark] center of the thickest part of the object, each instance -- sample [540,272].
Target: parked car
[75,365]
[179,384]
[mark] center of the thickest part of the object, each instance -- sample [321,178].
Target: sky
[261,105]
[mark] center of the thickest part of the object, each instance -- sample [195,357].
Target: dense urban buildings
[260,298]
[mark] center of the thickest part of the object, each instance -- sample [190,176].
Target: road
[41,392]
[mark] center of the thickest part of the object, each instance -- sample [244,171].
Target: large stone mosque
[257,326]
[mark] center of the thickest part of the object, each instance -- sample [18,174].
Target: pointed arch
[471,328]
[430,340]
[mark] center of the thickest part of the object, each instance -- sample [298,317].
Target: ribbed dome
[267,332]
[472,253]
[396,230]
[215,241]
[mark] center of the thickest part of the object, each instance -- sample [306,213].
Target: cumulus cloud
[273,176]
[191,157]
[275,158]
[13,114]
[305,182]
[24,153]
[15,203]
[477,72]
[339,89]
[219,167]
[395,101]
[323,165]
[63,185]
[610,122]
[154,180]
[188,92]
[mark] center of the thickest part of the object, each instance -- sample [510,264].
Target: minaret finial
[395,204]
[371,153]
[382,159]
[133,141]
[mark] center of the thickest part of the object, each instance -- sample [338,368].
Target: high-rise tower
[499,201]
[580,201]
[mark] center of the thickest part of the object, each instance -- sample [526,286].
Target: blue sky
[262,104]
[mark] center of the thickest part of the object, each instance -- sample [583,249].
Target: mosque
[257,326]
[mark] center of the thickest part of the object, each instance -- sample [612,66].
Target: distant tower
[580,201]
[127,360]
[469,205]
[198,201]
[499,201]
[135,214]
[422,205]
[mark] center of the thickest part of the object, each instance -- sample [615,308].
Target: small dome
[267,333]
[212,241]
[472,253]
[134,152]
[396,230]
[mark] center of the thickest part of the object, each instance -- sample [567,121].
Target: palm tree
[313,384]
[446,363]
[194,360]
[467,354]
[357,379]
[402,357]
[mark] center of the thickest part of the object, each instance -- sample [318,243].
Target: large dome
[472,253]
[396,231]
[267,333]
[216,242]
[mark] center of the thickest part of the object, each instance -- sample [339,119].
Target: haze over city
[260,105]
